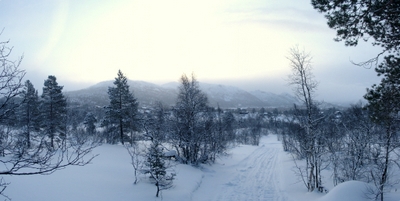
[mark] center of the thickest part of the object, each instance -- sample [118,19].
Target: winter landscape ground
[263,172]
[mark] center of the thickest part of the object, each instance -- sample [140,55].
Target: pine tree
[384,106]
[122,111]
[228,122]
[28,112]
[89,122]
[156,165]
[54,109]
[356,20]
[38,159]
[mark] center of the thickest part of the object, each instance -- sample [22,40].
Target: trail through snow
[255,176]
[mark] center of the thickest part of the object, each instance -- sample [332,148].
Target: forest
[43,134]
[47,132]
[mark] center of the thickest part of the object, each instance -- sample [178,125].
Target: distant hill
[148,94]
[275,100]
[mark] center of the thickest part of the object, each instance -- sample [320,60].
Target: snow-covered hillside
[281,100]
[246,173]
[149,93]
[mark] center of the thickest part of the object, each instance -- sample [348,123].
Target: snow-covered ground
[247,173]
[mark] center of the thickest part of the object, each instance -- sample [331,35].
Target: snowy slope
[250,173]
[261,173]
[230,97]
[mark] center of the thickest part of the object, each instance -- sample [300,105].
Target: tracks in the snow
[255,178]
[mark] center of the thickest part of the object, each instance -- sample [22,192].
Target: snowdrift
[348,191]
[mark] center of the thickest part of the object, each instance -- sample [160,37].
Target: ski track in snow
[256,177]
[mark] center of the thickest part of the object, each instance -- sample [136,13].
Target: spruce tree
[122,111]
[156,165]
[28,112]
[54,110]
[89,123]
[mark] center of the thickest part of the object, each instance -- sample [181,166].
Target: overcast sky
[243,43]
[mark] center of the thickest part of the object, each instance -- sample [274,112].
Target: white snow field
[248,173]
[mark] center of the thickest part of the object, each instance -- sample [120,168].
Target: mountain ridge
[148,94]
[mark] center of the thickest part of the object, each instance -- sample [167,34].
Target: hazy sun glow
[160,41]
[157,41]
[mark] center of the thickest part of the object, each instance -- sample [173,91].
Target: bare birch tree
[308,116]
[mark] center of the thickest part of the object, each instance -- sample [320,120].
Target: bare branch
[373,62]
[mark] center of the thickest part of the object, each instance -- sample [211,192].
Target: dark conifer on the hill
[121,114]
[157,167]
[89,123]
[54,110]
[28,112]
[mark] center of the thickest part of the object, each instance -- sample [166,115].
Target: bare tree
[137,160]
[188,112]
[10,80]
[308,117]
[38,158]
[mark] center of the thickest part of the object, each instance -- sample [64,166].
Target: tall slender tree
[54,110]
[121,114]
[304,84]
[29,112]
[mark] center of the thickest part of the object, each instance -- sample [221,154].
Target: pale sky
[243,43]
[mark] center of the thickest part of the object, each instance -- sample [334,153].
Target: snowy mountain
[230,97]
[148,94]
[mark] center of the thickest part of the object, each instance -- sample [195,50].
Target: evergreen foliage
[121,114]
[20,152]
[54,110]
[362,19]
[89,123]
[384,107]
[28,112]
[157,167]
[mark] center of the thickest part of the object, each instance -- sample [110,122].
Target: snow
[170,153]
[246,172]
[348,191]
[251,174]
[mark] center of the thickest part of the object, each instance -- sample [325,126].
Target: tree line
[44,133]
[190,131]
[378,128]
[358,143]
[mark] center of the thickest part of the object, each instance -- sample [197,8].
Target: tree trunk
[158,188]
[386,165]
[121,132]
